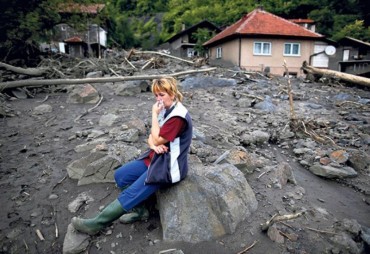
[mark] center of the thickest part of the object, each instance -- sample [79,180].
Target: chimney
[183,27]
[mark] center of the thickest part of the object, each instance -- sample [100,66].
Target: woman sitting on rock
[165,163]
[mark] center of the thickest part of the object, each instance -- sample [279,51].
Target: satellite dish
[330,50]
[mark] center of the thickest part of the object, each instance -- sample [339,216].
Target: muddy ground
[35,189]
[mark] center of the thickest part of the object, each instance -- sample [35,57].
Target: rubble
[251,160]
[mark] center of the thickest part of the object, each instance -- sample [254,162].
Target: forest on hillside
[149,23]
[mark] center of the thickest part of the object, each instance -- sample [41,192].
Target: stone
[344,242]
[137,124]
[130,135]
[209,203]
[325,161]
[339,156]
[42,109]
[83,94]
[81,199]
[128,88]
[359,160]
[90,145]
[332,172]
[75,242]
[266,105]
[108,120]
[282,175]
[240,158]
[274,234]
[255,137]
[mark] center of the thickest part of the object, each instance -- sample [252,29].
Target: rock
[332,172]
[42,109]
[365,235]
[131,135]
[255,137]
[245,103]
[83,94]
[325,161]
[90,145]
[344,242]
[95,134]
[82,198]
[137,124]
[266,105]
[274,234]
[349,225]
[100,171]
[300,151]
[359,160]
[75,242]
[209,203]
[97,167]
[339,156]
[108,120]
[205,82]
[241,159]
[297,193]
[282,175]
[129,88]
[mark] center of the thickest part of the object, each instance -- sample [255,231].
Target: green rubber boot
[92,226]
[139,213]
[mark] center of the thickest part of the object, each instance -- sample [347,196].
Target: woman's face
[165,97]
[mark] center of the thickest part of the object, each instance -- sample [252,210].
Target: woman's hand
[157,107]
[160,149]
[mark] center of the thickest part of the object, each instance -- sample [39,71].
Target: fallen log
[134,52]
[36,72]
[337,74]
[43,82]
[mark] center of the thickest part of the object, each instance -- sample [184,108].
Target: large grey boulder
[209,203]
[332,172]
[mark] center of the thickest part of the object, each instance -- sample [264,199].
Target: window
[292,49]
[218,52]
[262,48]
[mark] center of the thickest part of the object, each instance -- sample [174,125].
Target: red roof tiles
[259,22]
[74,39]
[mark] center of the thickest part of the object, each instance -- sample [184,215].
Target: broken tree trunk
[36,72]
[336,74]
[134,52]
[43,82]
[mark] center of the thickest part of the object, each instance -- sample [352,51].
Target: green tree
[24,23]
[355,30]
[201,36]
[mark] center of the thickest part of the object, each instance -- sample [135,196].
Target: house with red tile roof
[262,41]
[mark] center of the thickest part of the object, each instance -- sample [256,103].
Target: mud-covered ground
[35,189]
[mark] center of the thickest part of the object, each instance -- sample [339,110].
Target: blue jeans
[133,175]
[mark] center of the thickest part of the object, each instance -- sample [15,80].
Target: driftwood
[23,83]
[276,218]
[135,52]
[36,72]
[336,74]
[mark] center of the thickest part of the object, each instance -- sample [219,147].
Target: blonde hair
[168,85]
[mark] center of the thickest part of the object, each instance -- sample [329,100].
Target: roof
[80,8]
[202,24]
[302,21]
[263,23]
[353,41]
[74,39]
